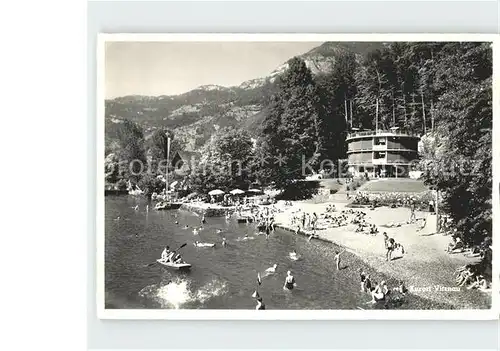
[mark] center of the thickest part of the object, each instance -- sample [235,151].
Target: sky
[169,68]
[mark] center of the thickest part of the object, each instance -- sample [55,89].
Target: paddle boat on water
[175,266]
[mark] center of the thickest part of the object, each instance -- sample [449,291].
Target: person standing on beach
[368,283]
[337,259]
[413,216]
[389,245]
[362,275]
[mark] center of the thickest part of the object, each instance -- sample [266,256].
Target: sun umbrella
[237,191]
[254,190]
[216,192]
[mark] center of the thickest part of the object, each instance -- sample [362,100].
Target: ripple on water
[178,293]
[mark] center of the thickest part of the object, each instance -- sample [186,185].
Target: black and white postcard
[273,176]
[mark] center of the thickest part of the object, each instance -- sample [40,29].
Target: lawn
[394,185]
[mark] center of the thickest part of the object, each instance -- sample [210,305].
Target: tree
[131,152]
[337,91]
[227,163]
[464,109]
[151,184]
[292,135]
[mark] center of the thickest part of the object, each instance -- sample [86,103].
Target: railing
[371,150]
[379,162]
[381,132]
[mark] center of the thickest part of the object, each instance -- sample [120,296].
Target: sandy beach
[426,268]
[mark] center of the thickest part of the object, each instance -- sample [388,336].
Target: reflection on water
[223,277]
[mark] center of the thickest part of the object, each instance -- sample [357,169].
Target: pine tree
[292,130]
[464,111]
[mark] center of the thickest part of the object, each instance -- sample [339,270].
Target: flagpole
[168,163]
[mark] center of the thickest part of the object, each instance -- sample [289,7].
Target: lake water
[224,277]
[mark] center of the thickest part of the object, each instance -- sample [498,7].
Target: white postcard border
[168,314]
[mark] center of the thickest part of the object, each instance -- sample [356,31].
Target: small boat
[204,245]
[177,266]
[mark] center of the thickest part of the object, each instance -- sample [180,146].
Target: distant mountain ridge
[197,114]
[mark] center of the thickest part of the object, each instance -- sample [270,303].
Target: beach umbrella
[216,192]
[237,192]
[254,191]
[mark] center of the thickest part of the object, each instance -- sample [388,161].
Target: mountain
[197,114]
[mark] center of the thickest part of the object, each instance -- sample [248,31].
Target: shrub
[299,191]
[394,199]
[121,185]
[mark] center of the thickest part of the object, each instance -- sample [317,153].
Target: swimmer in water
[185,227]
[289,281]
[224,242]
[272,269]
[176,222]
[260,304]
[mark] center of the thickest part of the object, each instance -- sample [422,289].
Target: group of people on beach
[467,275]
[379,291]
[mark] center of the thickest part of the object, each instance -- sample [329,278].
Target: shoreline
[415,268]
[425,250]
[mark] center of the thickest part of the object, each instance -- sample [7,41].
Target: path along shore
[425,265]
